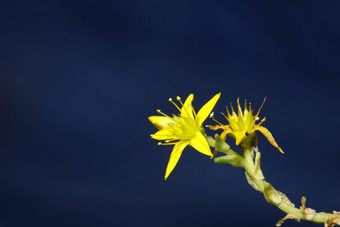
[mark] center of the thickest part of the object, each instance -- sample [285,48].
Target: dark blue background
[80,78]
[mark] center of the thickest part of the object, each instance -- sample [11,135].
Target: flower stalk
[256,179]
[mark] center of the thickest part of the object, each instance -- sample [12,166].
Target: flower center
[183,126]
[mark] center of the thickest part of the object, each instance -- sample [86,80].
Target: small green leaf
[251,182]
[220,145]
[234,160]
[210,141]
[257,172]
[271,195]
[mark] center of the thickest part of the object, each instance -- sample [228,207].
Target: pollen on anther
[170,99]
[159,143]
[180,100]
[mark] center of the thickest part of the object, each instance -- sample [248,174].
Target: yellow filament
[263,120]
[179,99]
[159,111]
[258,112]
[170,100]
[212,117]
[225,116]
[166,143]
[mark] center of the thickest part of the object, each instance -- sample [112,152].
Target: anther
[159,143]
[180,100]
[170,99]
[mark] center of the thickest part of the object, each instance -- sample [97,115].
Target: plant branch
[256,179]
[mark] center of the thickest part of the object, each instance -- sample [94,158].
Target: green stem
[284,204]
[272,196]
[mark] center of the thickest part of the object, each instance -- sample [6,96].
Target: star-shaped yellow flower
[243,124]
[183,129]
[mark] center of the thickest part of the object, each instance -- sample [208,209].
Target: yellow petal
[238,137]
[174,157]
[249,122]
[269,137]
[160,121]
[187,109]
[162,134]
[225,132]
[206,109]
[239,110]
[200,143]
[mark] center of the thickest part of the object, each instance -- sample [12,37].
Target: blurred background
[78,80]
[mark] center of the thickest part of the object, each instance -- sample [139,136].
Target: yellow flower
[183,129]
[243,124]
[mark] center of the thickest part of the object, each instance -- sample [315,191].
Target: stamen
[212,117]
[258,112]
[225,116]
[166,143]
[184,107]
[245,104]
[170,100]
[263,120]
[159,111]
[180,100]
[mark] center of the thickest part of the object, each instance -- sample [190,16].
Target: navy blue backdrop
[78,80]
